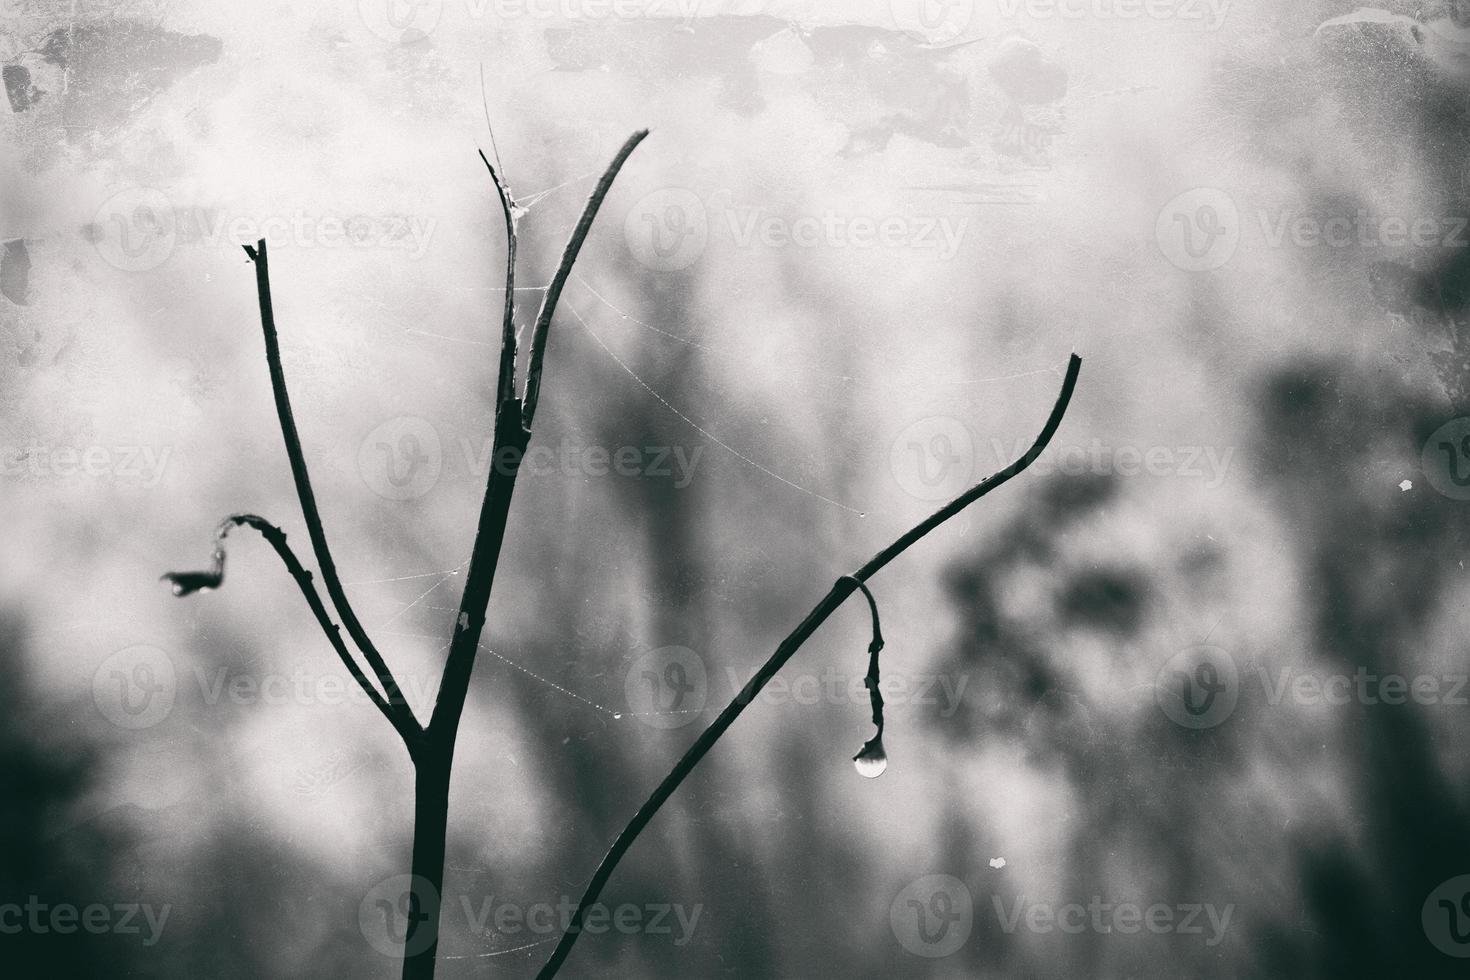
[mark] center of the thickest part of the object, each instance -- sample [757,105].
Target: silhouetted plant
[431,746]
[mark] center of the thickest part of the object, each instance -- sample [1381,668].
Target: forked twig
[512,435]
[187,582]
[431,746]
[309,512]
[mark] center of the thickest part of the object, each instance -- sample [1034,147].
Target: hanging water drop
[872,761]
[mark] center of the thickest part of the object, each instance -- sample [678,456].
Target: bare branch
[834,598]
[512,436]
[509,448]
[505,387]
[309,511]
[558,281]
[185,583]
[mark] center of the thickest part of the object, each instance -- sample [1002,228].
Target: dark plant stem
[513,417]
[844,587]
[430,833]
[508,449]
[302,479]
[873,679]
[431,747]
[277,540]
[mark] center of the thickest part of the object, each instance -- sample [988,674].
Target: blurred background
[1187,699]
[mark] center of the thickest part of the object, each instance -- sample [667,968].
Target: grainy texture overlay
[1186,695]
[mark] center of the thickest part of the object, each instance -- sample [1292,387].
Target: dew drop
[872,761]
[617,715]
[178,589]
